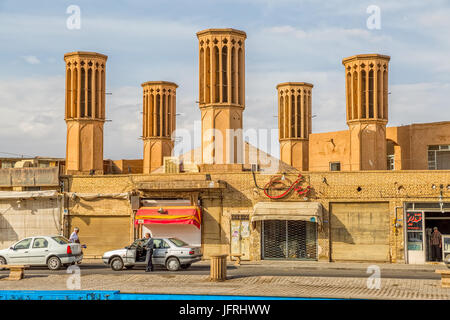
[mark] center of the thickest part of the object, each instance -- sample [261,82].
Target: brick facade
[240,195]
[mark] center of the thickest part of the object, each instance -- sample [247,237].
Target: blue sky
[287,40]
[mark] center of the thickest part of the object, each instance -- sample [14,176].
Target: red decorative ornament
[294,186]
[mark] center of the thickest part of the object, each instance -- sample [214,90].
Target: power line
[17,154]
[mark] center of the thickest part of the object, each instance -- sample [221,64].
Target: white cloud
[31,59]
[419,103]
[327,34]
[31,116]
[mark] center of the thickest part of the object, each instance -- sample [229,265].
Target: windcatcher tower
[159,109]
[222,94]
[294,123]
[85,111]
[367,110]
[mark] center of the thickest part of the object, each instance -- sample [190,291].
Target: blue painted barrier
[116,295]
[57,295]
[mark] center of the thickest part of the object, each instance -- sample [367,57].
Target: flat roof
[295,84]
[169,83]
[85,53]
[219,31]
[366,56]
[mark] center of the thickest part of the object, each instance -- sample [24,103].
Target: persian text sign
[414,221]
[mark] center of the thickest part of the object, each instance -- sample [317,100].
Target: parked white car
[52,251]
[170,252]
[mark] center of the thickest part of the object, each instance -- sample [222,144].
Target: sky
[287,40]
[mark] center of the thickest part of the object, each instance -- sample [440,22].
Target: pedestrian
[74,236]
[436,244]
[75,239]
[149,253]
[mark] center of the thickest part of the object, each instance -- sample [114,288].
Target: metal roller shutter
[101,234]
[26,218]
[360,231]
[289,239]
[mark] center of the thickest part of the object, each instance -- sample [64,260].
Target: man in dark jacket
[436,244]
[149,254]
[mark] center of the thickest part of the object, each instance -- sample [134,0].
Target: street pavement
[262,278]
[249,269]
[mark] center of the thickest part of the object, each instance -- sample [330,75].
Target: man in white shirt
[74,236]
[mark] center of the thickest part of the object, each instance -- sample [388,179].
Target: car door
[130,255]
[160,251]
[38,252]
[19,253]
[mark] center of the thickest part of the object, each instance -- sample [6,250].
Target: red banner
[169,215]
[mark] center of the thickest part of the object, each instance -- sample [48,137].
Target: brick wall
[240,195]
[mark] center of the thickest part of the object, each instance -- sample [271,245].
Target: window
[224,74]
[138,243]
[44,164]
[390,162]
[439,157]
[178,242]
[7,164]
[24,244]
[363,94]
[164,245]
[158,244]
[390,150]
[40,243]
[335,166]
[31,188]
[61,240]
[82,93]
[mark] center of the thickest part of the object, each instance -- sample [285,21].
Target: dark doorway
[439,220]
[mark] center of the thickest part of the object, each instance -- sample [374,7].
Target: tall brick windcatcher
[85,111]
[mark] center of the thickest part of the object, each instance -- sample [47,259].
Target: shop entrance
[170,218]
[289,239]
[442,222]
[420,220]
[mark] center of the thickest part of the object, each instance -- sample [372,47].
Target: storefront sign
[414,221]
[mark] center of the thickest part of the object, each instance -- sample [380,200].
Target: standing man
[75,239]
[436,244]
[74,236]
[149,254]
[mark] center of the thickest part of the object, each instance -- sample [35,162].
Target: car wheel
[54,263]
[185,266]
[129,267]
[116,264]
[2,260]
[173,264]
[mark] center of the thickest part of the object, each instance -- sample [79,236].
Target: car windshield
[178,242]
[61,240]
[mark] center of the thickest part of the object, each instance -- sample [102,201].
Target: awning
[306,211]
[28,194]
[171,215]
[95,196]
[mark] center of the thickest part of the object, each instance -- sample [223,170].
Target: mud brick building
[370,193]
